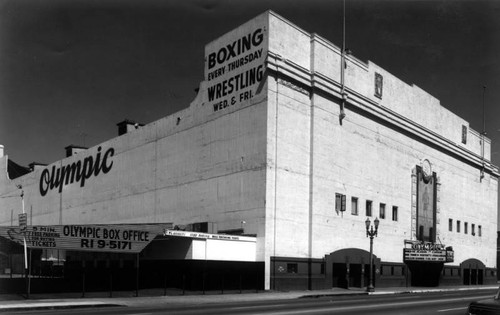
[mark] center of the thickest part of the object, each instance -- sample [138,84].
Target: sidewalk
[173,297]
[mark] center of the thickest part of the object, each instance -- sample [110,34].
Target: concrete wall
[311,157]
[316,54]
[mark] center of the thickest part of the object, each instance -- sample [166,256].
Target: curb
[397,292]
[434,290]
[317,296]
[55,307]
[47,305]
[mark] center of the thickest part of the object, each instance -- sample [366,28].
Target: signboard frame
[115,238]
[417,251]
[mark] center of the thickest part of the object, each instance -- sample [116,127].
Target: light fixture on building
[370,232]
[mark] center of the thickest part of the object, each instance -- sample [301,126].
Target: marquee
[118,238]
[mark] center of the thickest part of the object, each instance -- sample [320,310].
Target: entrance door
[467,276]
[355,275]
[480,276]
[339,275]
[473,276]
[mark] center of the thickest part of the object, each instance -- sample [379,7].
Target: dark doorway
[473,271]
[355,275]
[466,276]
[356,259]
[339,275]
[473,276]
[425,274]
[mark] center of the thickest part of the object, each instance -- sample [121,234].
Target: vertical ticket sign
[234,66]
[23,221]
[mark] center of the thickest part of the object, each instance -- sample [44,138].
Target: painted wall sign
[97,238]
[79,171]
[234,68]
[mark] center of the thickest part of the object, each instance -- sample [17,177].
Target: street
[445,303]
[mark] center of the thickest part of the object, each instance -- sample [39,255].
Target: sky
[71,70]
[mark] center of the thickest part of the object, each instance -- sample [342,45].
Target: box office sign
[427,252]
[97,238]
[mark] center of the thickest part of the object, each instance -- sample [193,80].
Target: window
[354,206]
[479,230]
[322,268]
[379,81]
[382,211]
[458,226]
[450,225]
[464,134]
[292,268]
[368,208]
[465,227]
[339,203]
[394,213]
[473,229]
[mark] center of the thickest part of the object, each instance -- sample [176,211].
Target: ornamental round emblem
[427,168]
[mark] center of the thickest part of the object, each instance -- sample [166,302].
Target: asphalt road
[448,303]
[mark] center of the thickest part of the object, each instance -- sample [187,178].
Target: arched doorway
[350,267]
[472,271]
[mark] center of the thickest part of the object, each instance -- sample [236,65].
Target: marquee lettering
[56,178]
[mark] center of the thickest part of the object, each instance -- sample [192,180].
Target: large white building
[278,149]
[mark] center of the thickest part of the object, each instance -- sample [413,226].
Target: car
[487,306]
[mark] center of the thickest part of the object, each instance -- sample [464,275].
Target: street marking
[256,306]
[452,309]
[374,306]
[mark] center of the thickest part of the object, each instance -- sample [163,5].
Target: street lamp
[370,232]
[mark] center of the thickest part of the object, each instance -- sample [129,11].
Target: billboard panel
[118,238]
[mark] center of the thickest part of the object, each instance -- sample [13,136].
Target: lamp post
[370,232]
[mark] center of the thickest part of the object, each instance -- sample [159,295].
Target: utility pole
[343,95]
[483,136]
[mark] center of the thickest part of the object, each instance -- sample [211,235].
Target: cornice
[314,81]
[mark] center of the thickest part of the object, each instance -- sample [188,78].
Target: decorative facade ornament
[293,86]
